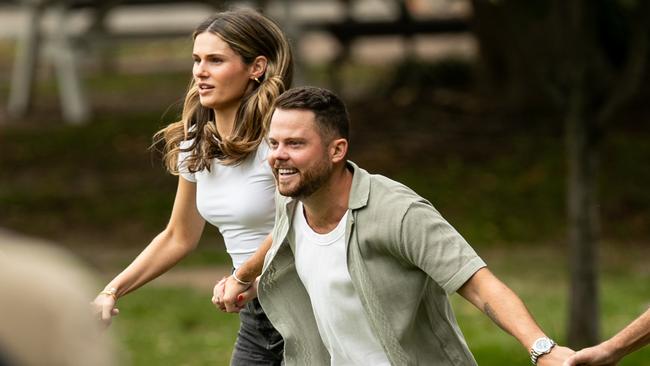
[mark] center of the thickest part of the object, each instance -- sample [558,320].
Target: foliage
[497,176]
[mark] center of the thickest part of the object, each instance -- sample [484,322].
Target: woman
[242,62]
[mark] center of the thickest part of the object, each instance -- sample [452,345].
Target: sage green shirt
[404,260]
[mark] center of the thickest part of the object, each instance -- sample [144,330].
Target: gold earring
[258,80]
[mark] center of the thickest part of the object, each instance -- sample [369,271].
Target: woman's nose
[199,69]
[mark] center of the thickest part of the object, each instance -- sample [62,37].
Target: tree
[587,58]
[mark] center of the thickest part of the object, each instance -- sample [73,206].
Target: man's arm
[506,310]
[628,340]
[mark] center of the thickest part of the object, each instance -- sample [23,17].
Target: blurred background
[525,123]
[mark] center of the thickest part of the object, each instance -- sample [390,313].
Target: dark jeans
[258,343]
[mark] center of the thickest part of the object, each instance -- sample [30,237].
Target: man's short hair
[330,112]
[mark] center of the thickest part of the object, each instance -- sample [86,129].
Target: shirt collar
[360,189]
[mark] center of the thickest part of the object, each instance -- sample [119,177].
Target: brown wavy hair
[249,34]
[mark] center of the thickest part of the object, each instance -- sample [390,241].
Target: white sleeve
[262,153]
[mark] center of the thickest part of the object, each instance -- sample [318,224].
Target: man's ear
[338,150]
[259,67]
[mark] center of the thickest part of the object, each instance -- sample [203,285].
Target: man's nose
[279,153]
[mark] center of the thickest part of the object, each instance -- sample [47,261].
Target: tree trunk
[582,199]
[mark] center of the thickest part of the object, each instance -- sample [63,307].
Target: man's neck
[325,207]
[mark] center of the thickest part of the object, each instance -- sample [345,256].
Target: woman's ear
[338,150]
[258,67]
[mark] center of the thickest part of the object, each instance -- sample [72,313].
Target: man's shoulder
[385,190]
[376,192]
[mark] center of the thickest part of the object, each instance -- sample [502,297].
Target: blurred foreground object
[44,308]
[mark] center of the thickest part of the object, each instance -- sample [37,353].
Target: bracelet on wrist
[244,283]
[110,291]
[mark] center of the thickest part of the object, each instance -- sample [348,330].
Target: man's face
[299,156]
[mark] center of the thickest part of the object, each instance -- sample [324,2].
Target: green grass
[179,326]
[174,326]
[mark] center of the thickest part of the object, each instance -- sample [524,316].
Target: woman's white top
[238,199]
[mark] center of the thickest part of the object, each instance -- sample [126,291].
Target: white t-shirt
[237,199]
[322,267]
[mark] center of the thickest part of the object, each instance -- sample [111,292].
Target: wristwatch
[540,347]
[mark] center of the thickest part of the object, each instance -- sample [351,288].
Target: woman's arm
[631,338]
[179,238]
[225,293]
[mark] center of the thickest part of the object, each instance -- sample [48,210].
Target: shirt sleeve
[263,152]
[182,158]
[432,244]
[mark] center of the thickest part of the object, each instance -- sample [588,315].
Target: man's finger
[229,305]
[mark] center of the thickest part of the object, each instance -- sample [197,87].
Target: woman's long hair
[250,35]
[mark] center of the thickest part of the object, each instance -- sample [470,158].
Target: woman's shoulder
[188,140]
[262,152]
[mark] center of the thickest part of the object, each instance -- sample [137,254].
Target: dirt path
[200,278]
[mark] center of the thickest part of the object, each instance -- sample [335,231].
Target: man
[361,266]
[631,338]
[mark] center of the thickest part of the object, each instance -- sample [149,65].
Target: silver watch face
[542,345]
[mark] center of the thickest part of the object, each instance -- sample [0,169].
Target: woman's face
[220,74]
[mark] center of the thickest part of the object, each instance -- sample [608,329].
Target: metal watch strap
[534,355]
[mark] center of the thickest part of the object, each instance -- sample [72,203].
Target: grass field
[179,326]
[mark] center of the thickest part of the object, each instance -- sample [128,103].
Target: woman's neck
[225,121]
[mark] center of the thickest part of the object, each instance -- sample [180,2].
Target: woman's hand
[104,308]
[218,293]
[231,296]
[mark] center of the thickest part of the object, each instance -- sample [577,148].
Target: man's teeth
[286,171]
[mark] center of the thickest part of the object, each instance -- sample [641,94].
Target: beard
[309,181]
